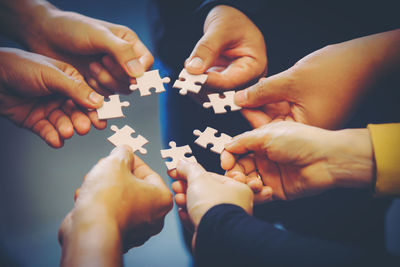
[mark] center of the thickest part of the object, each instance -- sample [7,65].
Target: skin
[46,96]
[343,72]
[106,54]
[197,191]
[289,160]
[232,50]
[120,205]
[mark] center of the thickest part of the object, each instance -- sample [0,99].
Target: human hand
[323,87]
[198,190]
[232,50]
[122,201]
[107,54]
[41,94]
[295,160]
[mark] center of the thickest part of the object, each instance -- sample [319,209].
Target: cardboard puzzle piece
[189,82]
[150,79]
[176,153]
[219,103]
[208,137]
[123,137]
[112,109]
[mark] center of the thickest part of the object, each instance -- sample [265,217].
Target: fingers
[205,53]
[142,171]
[185,219]
[180,200]
[179,187]
[228,160]
[264,195]
[94,118]
[251,141]
[189,170]
[123,155]
[272,89]
[48,133]
[238,73]
[256,118]
[62,123]
[67,81]
[79,119]
[130,53]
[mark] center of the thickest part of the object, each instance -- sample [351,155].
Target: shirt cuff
[386,143]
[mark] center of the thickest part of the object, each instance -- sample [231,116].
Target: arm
[228,236]
[107,54]
[324,87]
[386,142]
[120,205]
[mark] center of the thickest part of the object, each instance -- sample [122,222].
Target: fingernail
[95,68]
[135,68]
[241,97]
[95,98]
[196,63]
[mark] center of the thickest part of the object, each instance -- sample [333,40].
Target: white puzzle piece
[123,137]
[112,109]
[219,104]
[176,153]
[208,137]
[150,79]
[189,82]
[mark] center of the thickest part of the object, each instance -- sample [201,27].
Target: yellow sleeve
[386,144]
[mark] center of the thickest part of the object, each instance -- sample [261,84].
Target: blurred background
[37,182]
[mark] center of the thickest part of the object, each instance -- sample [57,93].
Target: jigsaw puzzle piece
[209,137]
[123,137]
[150,79]
[112,109]
[176,153]
[189,82]
[219,103]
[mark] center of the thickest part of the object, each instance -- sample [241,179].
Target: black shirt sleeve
[228,236]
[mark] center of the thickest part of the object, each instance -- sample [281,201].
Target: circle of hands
[83,59]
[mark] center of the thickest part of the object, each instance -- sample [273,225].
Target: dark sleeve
[228,236]
[249,7]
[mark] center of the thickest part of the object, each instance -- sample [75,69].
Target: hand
[232,50]
[295,160]
[121,199]
[197,191]
[325,86]
[108,55]
[40,94]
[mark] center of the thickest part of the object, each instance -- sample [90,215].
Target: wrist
[351,159]
[94,233]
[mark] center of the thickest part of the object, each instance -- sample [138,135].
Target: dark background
[37,182]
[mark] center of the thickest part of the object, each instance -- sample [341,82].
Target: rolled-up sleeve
[386,144]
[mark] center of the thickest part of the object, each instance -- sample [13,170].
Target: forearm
[92,243]
[228,236]
[21,20]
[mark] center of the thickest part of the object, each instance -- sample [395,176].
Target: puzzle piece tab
[208,137]
[150,79]
[176,153]
[123,137]
[189,82]
[219,103]
[112,108]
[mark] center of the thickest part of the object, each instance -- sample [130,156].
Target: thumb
[131,54]
[204,53]
[268,90]
[256,140]
[189,171]
[123,155]
[67,81]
